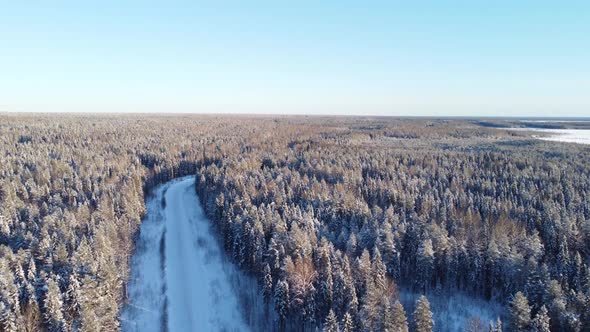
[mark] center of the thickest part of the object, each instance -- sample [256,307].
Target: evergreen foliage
[330,215]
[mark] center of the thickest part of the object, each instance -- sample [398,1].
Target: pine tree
[425,265]
[557,305]
[331,324]
[577,271]
[520,312]
[309,309]
[267,286]
[4,228]
[7,319]
[389,250]
[53,307]
[31,270]
[498,325]
[534,286]
[369,312]
[351,245]
[541,323]
[385,320]
[282,301]
[72,297]
[339,303]
[363,271]
[326,289]
[89,320]
[347,323]
[31,311]
[423,316]
[585,319]
[563,260]
[400,322]
[586,279]
[350,291]
[378,271]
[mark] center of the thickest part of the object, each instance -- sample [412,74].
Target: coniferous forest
[334,217]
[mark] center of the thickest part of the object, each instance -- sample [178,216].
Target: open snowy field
[180,281]
[580,136]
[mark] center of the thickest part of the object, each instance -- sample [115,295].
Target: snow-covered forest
[349,224]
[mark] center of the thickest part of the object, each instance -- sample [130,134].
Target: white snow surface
[580,136]
[452,312]
[180,283]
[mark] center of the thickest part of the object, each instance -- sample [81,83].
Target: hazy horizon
[463,59]
[566,118]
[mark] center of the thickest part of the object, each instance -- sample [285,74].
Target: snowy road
[179,278]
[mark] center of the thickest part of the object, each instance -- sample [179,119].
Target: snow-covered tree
[282,300]
[425,264]
[385,320]
[400,322]
[347,323]
[331,323]
[541,322]
[423,321]
[7,319]
[73,297]
[53,307]
[475,324]
[498,327]
[267,285]
[520,312]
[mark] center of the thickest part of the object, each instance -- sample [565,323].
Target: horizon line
[406,116]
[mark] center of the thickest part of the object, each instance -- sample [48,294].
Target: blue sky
[492,58]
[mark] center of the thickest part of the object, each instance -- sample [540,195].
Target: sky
[422,58]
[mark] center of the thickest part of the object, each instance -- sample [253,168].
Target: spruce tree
[541,323]
[425,265]
[423,321]
[72,304]
[378,271]
[267,286]
[400,322]
[585,319]
[498,325]
[7,319]
[53,306]
[347,323]
[520,312]
[385,320]
[282,301]
[331,324]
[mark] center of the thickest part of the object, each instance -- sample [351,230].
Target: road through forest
[179,277]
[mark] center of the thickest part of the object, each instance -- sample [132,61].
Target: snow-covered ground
[180,280]
[580,136]
[453,312]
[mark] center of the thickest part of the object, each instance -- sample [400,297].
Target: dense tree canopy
[331,215]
